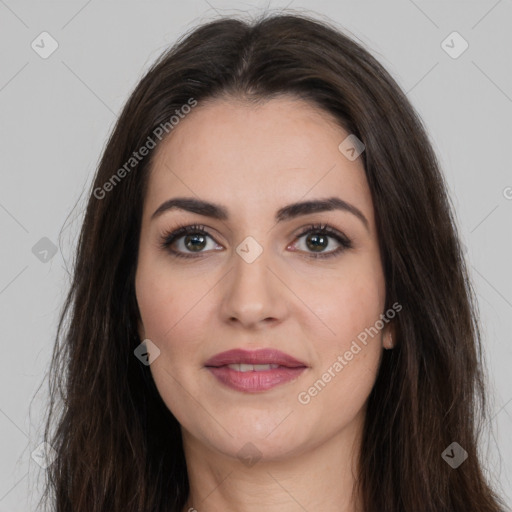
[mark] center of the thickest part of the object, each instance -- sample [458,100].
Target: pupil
[315,245]
[194,238]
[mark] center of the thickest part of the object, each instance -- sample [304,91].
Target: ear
[389,336]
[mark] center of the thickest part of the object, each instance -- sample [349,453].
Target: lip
[254,381]
[260,356]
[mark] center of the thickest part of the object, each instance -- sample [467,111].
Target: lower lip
[254,381]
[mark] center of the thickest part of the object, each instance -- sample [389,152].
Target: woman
[269,308]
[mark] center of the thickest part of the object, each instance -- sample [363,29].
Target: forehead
[256,156]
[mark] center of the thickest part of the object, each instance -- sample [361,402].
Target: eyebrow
[288,212]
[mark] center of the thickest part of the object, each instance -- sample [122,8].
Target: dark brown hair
[118,446]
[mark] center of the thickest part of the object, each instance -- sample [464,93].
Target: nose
[254,294]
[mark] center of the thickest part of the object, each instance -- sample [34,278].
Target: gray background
[57,113]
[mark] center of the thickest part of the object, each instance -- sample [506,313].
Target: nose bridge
[252,291]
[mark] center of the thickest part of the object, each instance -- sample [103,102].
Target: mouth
[254,360]
[254,371]
[243,367]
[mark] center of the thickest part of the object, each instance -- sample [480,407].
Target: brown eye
[317,239]
[195,242]
[186,240]
[317,242]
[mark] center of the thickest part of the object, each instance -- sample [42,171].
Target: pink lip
[260,356]
[254,381]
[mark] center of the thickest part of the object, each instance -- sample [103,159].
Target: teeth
[252,367]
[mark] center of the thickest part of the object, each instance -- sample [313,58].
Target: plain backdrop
[57,110]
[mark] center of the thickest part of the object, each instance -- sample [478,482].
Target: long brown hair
[118,446]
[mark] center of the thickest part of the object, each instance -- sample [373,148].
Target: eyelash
[169,237]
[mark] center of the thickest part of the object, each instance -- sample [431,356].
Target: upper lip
[260,356]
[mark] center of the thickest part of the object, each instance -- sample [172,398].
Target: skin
[254,160]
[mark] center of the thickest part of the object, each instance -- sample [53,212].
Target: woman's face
[250,280]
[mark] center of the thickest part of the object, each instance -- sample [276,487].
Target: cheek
[171,310]
[164,300]
[348,303]
[356,311]
[350,350]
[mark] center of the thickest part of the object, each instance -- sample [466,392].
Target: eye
[316,238]
[192,239]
